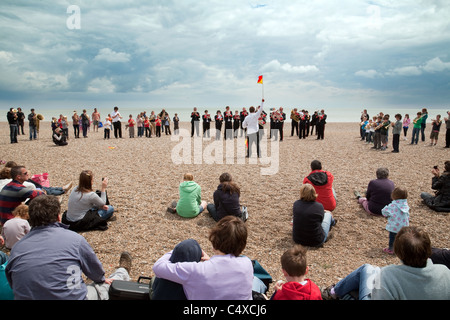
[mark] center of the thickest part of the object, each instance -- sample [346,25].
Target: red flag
[260,79]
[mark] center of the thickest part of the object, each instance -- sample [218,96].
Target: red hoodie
[297,291]
[323,184]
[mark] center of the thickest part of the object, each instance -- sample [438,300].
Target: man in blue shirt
[48,262]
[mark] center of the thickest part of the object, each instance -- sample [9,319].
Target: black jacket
[226,204]
[307,223]
[441,200]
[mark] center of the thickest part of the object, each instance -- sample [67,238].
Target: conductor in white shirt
[251,124]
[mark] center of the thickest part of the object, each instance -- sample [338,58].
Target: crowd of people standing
[155,124]
[375,130]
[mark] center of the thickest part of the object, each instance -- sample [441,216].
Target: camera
[435,167]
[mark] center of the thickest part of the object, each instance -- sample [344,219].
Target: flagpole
[263,90]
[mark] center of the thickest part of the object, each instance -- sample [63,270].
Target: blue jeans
[415,135]
[106,214]
[53,191]
[361,280]
[33,133]
[13,131]
[326,224]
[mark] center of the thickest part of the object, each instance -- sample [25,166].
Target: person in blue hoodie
[397,213]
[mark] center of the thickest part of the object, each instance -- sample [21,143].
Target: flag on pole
[260,79]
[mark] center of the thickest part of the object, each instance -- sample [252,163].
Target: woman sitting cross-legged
[86,209]
[226,200]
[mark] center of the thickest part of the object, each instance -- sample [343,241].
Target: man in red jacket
[323,184]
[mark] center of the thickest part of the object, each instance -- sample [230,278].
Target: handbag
[41,179]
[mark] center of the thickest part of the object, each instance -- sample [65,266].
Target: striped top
[13,194]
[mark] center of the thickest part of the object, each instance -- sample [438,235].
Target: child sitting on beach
[16,228]
[297,287]
[397,213]
[107,128]
[190,204]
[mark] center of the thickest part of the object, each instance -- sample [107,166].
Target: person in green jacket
[190,204]
[417,127]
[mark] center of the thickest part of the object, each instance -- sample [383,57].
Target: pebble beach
[144,175]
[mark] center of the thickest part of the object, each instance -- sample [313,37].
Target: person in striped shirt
[15,193]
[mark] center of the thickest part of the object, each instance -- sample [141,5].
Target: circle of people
[187,271]
[156,124]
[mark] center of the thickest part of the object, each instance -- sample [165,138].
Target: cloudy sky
[183,53]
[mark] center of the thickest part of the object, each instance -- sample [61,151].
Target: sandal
[387,250]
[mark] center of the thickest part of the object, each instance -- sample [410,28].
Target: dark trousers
[13,130]
[447,138]
[206,127]
[320,129]
[117,129]
[76,131]
[396,142]
[294,127]
[107,133]
[195,127]
[251,139]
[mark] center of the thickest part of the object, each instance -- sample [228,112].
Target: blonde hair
[21,211]
[188,177]
[308,193]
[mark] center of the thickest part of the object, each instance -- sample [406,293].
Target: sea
[334,114]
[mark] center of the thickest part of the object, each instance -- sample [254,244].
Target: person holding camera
[86,208]
[441,183]
[59,138]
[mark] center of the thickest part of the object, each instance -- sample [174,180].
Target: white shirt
[251,121]
[116,116]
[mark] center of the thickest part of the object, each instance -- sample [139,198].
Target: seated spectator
[417,278]
[226,200]
[5,174]
[86,209]
[225,276]
[190,204]
[161,289]
[440,256]
[295,269]
[441,183]
[378,194]
[49,262]
[59,138]
[6,292]
[311,223]
[14,193]
[16,228]
[323,183]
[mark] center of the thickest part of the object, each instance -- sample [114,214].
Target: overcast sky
[210,53]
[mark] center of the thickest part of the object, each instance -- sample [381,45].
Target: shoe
[67,187]
[171,210]
[244,213]
[388,251]
[125,261]
[357,194]
[327,295]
